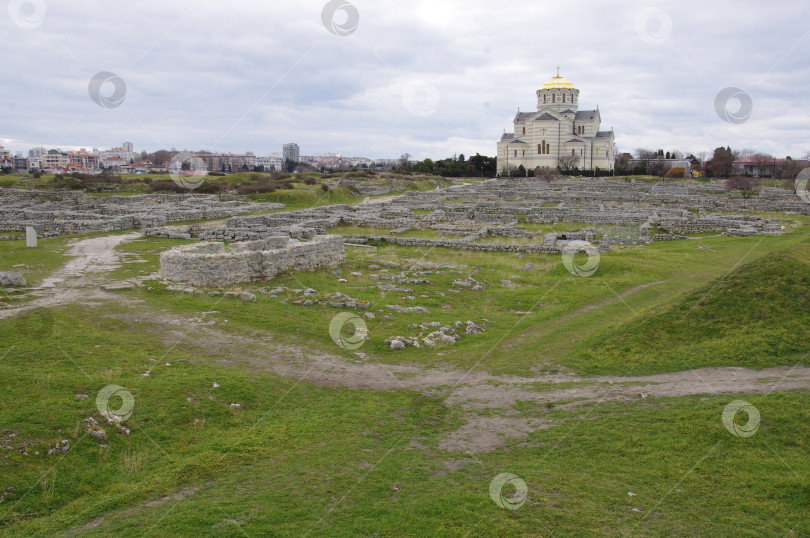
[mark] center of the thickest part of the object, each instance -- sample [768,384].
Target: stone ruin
[611,212]
[52,213]
[463,217]
[212,264]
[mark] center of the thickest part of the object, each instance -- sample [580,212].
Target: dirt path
[80,277]
[489,402]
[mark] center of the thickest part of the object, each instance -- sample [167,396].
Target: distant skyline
[378,79]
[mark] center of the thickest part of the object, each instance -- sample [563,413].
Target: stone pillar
[30,237]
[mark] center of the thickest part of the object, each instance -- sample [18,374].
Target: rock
[396,345]
[472,328]
[118,286]
[63,447]
[369,315]
[247,296]
[214,293]
[11,279]
[417,309]
[92,428]
[215,385]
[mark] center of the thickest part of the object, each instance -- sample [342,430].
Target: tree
[721,163]
[568,162]
[792,169]
[644,154]
[657,168]
[745,185]
[404,159]
[622,164]
[762,162]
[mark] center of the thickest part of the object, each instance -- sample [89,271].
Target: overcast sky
[384,77]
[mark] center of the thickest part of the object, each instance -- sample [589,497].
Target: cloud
[253,75]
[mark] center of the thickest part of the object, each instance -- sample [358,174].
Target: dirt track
[477,392]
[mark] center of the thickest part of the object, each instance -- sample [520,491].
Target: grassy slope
[562,329]
[302,459]
[756,316]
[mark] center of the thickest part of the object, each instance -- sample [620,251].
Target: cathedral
[557,134]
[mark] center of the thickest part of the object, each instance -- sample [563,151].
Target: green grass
[756,316]
[302,459]
[571,317]
[296,458]
[39,262]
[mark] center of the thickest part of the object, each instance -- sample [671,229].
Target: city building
[35,156]
[86,160]
[126,152]
[557,134]
[54,160]
[271,163]
[291,152]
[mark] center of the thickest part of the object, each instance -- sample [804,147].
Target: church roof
[546,117]
[569,111]
[587,114]
[507,136]
[516,141]
[558,83]
[576,140]
[520,116]
[604,134]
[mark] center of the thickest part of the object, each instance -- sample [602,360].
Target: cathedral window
[553,97]
[563,98]
[524,130]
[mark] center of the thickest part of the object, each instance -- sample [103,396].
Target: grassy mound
[756,316]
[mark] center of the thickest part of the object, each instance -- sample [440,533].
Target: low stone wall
[210,264]
[460,244]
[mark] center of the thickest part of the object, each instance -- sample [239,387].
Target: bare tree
[656,168]
[745,185]
[546,173]
[762,161]
[568,162]
[745,152]
[404,159]
[645,154]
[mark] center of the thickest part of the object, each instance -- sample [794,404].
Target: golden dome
[558,83]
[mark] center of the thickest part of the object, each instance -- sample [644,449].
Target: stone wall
[62,212]
[211,264]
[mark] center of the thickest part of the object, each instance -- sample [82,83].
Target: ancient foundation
[211,264]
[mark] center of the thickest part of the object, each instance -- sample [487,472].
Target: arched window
[539,149]
[572,153]
[563,98]
[515,153]
[553,97]
[524,130]
[544,98]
